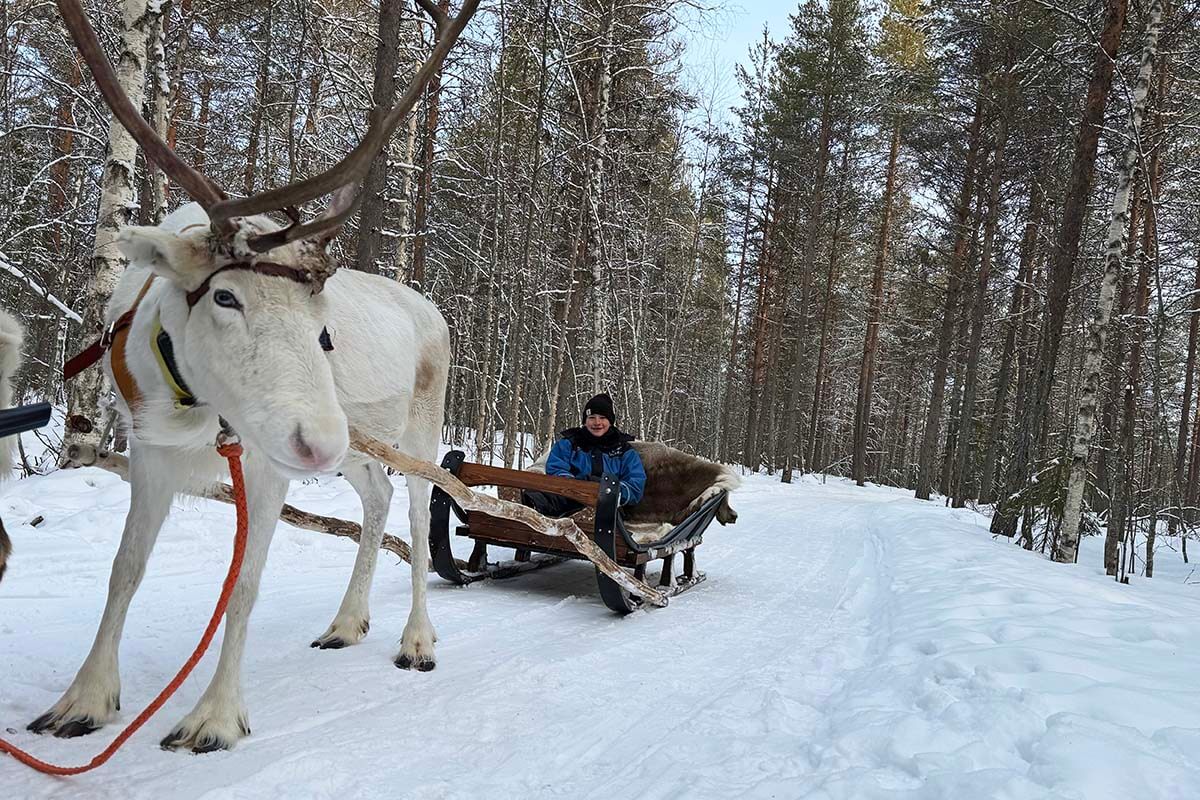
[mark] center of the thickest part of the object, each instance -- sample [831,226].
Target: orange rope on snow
[232,452]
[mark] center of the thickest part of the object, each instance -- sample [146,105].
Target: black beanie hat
[600,404]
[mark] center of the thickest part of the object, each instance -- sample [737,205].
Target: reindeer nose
[320,446]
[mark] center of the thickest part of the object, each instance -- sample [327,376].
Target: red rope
[233,453]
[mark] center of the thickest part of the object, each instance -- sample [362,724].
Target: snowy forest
[947,246]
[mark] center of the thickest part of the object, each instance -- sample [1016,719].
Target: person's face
[597,425]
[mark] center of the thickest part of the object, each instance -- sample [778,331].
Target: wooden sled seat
[629,545]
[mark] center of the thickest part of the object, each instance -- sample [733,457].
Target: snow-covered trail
[539,689]
[848,643]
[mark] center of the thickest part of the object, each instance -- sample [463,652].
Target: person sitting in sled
[585,453]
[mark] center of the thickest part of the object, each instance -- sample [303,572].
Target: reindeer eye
[225,299]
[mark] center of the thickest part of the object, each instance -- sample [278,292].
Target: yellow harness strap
[183,397]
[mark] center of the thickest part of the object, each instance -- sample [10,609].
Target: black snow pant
[550,505]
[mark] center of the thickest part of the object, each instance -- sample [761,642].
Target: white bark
[159,96]
[404,223]
[117,204]
[596,171]
[1067,546]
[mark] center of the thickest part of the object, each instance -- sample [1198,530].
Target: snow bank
[994,673]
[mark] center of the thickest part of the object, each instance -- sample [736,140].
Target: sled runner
[631,545]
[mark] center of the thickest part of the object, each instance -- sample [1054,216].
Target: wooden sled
[535,550]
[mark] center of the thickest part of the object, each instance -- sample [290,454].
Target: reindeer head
[248,334]
[246,292]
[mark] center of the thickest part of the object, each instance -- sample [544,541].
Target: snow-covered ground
[849,643]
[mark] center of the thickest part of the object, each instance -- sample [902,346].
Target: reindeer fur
[263,369]
[12,334]
[677,483]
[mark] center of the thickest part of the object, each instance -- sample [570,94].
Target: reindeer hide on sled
[677,484]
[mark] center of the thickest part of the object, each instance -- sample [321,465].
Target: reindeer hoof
[76,728]
[179,739]
[210,744]
[206,729]
[68,719]
[42,723]
[51,722]
[344,632]
[419,664]
[336,643]
[416,645]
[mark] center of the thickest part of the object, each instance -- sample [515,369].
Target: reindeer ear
[181,259]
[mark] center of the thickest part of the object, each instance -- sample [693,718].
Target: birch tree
[1067,545]
[117,208]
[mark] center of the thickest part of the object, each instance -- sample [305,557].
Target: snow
[848,643]
[38,289]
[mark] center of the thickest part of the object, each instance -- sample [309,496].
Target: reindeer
[12,337]
[12,334]
[287,352]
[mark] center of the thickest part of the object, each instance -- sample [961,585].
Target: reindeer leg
[219,718]
[94,696]
[416,644]
[354,618]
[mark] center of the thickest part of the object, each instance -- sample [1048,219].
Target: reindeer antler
[342,180]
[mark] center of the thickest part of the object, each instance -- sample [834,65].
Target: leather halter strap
[261,267]
[113,338]
[115,335]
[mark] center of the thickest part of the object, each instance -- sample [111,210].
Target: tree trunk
[374,192]
[751,455]
[695,264]
[963,484]
[1189,377]
[816,211]
[1085,421]
[1193,476]
[1024,282]
[826,315]
[433,94]
[730,371]
[1122,505]
[516,391]
[1064,256]
[262,87]
[866,373]
[206,90]
[1116,355]
[954,417]
[1152,525]
[402,262]
[118,190]
[962,237]
[153,200]
[585,248]
[594,206]
[178,104]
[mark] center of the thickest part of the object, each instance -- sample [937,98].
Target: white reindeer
[251,339]
[12,336]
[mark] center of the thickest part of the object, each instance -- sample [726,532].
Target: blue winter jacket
[568,460]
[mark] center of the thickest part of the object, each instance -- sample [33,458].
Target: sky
[717,40]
